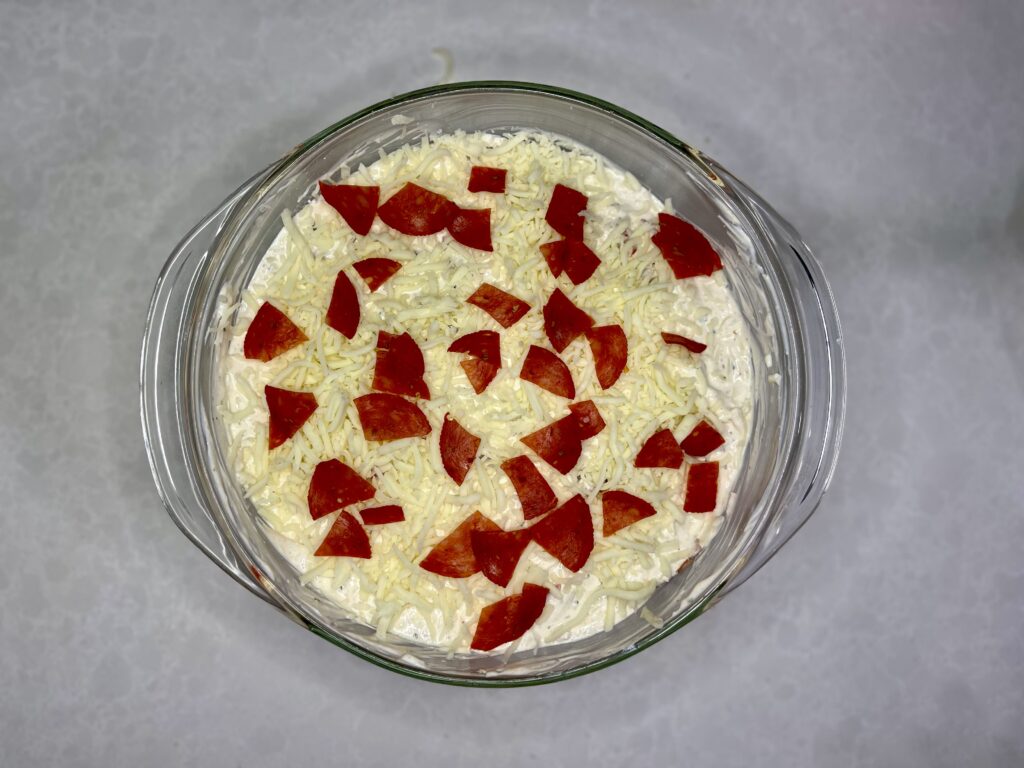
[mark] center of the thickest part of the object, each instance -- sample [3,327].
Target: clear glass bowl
[799,375]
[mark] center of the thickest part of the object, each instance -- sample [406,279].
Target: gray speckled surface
[890,631]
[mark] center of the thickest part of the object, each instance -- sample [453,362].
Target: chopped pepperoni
[564,212]
[288,412]
[660,450]
[389,513]
[471,227]
[701,487]
[335,485]
[386,417]
[376,271]
[413,210]
[535,495]
[505,308]
[702,440]
[270,334]
[347,538]
[588,418]
[453,555]
[546,369]
[609,346]
[580,262]
[567,533]
[621,509]
[674,338]
[554,255]
[357,205]
[564,321]
[485,179]
[498,552]
[399,368]
[559,443]
[685,249]
[509,618]
[480,373]
[484,345]
[458,449]
[343,312]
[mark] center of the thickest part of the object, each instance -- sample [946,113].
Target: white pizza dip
[664,386]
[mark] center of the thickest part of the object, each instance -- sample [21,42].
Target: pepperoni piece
[546,369]
[389,513]
[480,373]
[505,308]
[701,487]
[609,346]
[458,449]
[357,205]
[702,440]
[567,533]
[453,555]
[376,271]
[484,345]
[564,211]
[580,262]
[271,333]
[686,250]
[413,210]
[535,495]
[588,418]
[399,368]
[554,255]
[559,443]
[674,338]
[509,618]
[485,179]
[564,321]
[471,227]
[347,538]
[289,410]
[621,509]
[498,552]
[335,485]
[386,417]
[660,450]
[343,312]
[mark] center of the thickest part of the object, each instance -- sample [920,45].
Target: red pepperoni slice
[480,373]
[357,205]
[484,345]
[609,346]
[413,210]
[389,513]
[564,212]
[674,338]
[270,334]
[567,533]
[288,412]
[399,368]
[580,262]
[509,618]
[535,495]
[559,443]
[347,538]
[546,369]
[458,449]
[554,255]
[702,440]
[505,308]
[701,487]
[660,450]
[485,179]
[564,321]
[386,417]
[621,509]
[588,418]
[686,250]
[498,552]
[471,227]
[376,271]
[453,555]
[343,312]
[335,485]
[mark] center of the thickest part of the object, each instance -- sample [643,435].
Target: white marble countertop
[890,631]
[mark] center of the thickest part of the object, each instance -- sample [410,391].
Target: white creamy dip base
[663,386]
